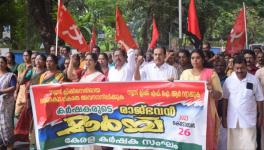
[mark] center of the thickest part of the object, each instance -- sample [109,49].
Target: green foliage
[217,18]
[255,26]
[98,13]
[17,21]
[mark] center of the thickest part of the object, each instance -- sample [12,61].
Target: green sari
[20,69]
[48,78]
[33,76]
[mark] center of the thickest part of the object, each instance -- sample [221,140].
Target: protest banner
[161,115]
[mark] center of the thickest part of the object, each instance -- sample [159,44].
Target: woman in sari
[7,89]
[52,75]
[20,94]
[93,73]
[30,77]
[198,72]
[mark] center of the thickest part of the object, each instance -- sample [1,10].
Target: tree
[41,12]
[17,21]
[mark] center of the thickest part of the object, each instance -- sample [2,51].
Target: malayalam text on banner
[161,115]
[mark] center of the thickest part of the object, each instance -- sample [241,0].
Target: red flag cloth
[193,23]
[237,38]
[155,35]
[69,31]
[93,39]
[122,31]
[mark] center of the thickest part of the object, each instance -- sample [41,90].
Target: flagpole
[180,19]
[57,30]
[245,20]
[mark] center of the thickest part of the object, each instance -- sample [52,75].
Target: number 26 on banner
[185,132]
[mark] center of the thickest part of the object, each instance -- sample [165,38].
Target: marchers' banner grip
[144,115]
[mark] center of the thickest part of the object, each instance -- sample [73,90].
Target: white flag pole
[245,20]
[57,30]
[180,19]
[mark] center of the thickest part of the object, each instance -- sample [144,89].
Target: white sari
[94,77]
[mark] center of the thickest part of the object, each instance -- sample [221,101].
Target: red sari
[213,122]
[25,122]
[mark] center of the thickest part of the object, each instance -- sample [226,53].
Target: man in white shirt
[124,64]
[124,68]
[156,70]
[242,110]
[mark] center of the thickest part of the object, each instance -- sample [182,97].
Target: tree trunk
[40,11]
[145,31]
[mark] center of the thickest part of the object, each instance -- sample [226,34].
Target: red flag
[237,38]
[193,23]
[122,31]
[93,39]
[69,31]
[155,35]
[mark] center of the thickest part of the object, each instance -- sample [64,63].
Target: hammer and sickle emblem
[235,35]
[75,37]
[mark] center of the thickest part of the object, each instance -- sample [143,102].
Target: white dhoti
[241,138]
